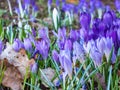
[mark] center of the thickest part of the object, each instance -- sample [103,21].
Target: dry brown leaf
[12,77]
[17,63]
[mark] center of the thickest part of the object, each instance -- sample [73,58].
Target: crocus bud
[27,44]
[55,17]
[17,45]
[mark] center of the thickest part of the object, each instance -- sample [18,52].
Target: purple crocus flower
[27,44]
[107,18]
[34,68]
[57,3]
[55,56]
[17,45]
[61,37]
[43,48]
[74,35]
[1,46]
[49,3]
[117,4]
[85,20]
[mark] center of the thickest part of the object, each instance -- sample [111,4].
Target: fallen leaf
[12,77]
[16,66]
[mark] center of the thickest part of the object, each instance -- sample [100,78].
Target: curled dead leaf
[12,77]
[16,64]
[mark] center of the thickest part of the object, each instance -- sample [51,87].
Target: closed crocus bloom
[27,44]
[108,47]
[101,44]
[68,67]
[74,35]
[88,46]
[65,61]
[78,52]
[43,48]
[55,56]
[115,39]
[34,68]
[55,17]
[1,46]
[85,20]
[117,4]
[49,3]
[107,18]
[17,45]
[61,37]
[84,34]
[62,34]
[68,45]
[96,56]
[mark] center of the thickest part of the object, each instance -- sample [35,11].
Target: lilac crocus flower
[65,61]
[101,44]
[68,45]
[34,68]
[78,52]
[96,56]
[27,44]
[1,46]
[55,56]
[17,45]
[88,46]
[108,47]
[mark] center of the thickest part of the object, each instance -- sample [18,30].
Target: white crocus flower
[55,17]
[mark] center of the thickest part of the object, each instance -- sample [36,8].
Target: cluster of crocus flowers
[69,50]
[98,37]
